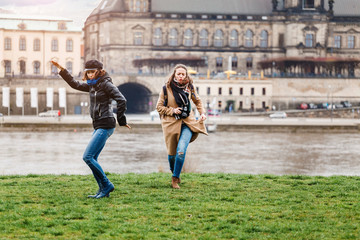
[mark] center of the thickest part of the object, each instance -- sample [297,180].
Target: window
[263,104]
[205,58]
[219,62]
[173,37]
[337,41]
[54,70]
[36,67]
[249,38]
[69,45]
[69,66]
[138,38]
[218,38]
[7,66]
[7,44]
[241,91]
[220,90]
[309,40]
[264,91]
[22,67]
[158,37]
[219,104]
[22,44]
[188,38]
[54,45]
[234,39]
[36,45]
[351,41]
[208,91]
[204,42]
[234,62]
[249,63]
[137,6]
[264,39]
[308,4]
[230,91]
[240,105]
[252,91]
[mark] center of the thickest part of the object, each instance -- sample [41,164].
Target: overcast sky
[77,10]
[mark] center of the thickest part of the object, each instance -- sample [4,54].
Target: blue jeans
[92,152]
[176,162]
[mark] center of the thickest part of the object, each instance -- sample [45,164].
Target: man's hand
[128,126]
[57,65]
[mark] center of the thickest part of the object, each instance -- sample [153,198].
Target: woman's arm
[115,94]
[198,103]
[163,110]
[70,80]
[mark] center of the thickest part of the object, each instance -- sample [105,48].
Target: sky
[76,10]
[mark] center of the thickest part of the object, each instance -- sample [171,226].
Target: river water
[228,152]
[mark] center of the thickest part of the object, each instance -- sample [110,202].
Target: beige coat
[172,127]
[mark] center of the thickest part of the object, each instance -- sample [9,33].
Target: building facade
[121,31]
[28,44]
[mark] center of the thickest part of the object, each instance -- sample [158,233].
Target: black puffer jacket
[101,96]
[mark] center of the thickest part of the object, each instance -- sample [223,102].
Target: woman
[178,122]
[102,91]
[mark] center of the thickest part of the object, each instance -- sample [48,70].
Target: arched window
[22,44]
[54,70]
[137,5]
[249,62]
[7,44]
[22,67]
[7,66]
[36,44]
[173,37]
[249,38]
[188,38]
[234,39]
[69,45]
[264,39]
[36,67]
[54,45]
[158,37]
[204,41]
[218,38]
[69,66]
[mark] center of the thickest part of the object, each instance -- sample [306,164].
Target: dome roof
[107,6]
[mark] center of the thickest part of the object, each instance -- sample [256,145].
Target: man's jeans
[176,162]
[91,154]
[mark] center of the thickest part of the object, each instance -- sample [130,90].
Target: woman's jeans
[91,154]
[176,162]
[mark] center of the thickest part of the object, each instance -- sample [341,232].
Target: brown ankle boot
[174,182]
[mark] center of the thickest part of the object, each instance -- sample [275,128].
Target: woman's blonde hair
[98,73]
[171,78]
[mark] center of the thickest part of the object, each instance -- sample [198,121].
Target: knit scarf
[181,94]
[92,82]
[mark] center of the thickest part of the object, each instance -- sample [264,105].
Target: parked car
[322,105]
[278,115]
[51,113]
[154,114]
[312,106]
[304,106]
[346,104]
[214,112]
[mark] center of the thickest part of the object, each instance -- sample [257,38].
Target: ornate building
[242,35]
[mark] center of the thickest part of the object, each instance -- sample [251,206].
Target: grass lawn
[208,206]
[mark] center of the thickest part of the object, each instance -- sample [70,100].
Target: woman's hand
[57,65]
[202,117]
[177,110]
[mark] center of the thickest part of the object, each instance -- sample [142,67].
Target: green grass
[208,206]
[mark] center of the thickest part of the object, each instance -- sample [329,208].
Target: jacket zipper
[95,105]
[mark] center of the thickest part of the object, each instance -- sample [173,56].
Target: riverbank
[208,206]
[223,123]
